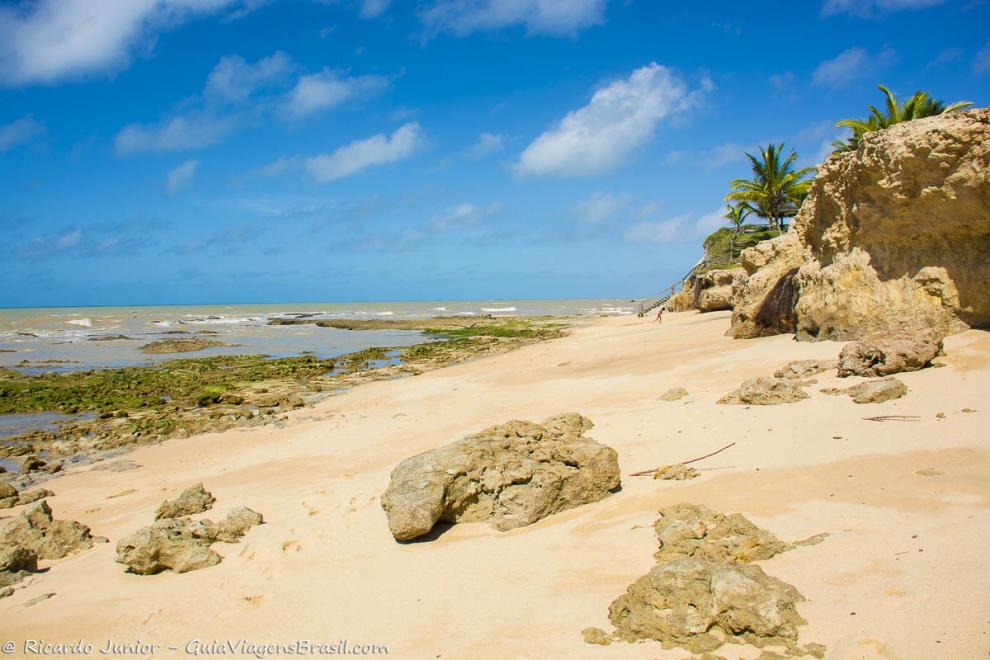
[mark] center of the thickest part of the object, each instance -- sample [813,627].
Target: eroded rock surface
[37,530]
[674,394]
[763,303]
[509,475]
[192,500]
[882,356]
[799,369]
[708,292]
[873,391]
[676,472]
[181,544]
[9,497]
[693,530]
[766,392]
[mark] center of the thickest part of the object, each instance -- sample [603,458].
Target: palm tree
[919,105]
[736,215]
[776,190]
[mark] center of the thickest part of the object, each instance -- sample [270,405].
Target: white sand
[904,573]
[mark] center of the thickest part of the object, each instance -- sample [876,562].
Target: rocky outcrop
[509,475]
[799,369]
[882,356]
[707,292]
[763,303]
[181,544]
[38,531]
[192,500]
[766,392]
[9,497]
[704,591]
[893,237]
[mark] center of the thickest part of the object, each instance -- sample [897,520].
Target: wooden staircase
[651,303]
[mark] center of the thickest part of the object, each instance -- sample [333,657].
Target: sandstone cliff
[895,236]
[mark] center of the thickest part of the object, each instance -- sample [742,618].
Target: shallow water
[40,334]
[22,422]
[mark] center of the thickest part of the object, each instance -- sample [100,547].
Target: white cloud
[549,17]
[359,155]
[234,80]
[488,144]
[874,8]
[600,206]
[18,132]
[724,154]
[945,57]
[851,64]
[464,215]
[374,8]
[666,231]
[192,131]
[41,246]
[324,90]
[600,136]
[981,64]
[48,40]
[709,222]
[179,177]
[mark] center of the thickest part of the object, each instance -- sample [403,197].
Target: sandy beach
[902,574]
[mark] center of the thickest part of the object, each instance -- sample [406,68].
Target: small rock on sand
[116,466]
[674,394]
[596,636]
[194,499]
[872,391]
[766,392]
[799,369]
[676,472]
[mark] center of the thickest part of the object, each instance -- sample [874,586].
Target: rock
[715,299]
[763,304]
[681,301]
[693,530]
[766,392]
[509,475]
[180,345]
[882,356]
[676,472]
[708,291]
[181,544]
[596,636]
[674,394]
[15,558]
[116,466]
[800,369]
[8,495]
[36,530]
[898,231]
[194,499]
[873,391]
[8,500]
[31,463]
[698,605]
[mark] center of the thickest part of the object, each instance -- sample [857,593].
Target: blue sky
[194,151]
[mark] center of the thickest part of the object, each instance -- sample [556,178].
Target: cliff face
[708,292]
[894,236]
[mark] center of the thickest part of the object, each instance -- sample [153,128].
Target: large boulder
[898,232]
[192,500]
[764,302]
[707,292]
[38,531]
[181,544]
[882,356]
[510,475]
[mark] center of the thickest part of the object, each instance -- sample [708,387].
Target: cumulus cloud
[233,79]
[18,132]
[548,17]
[360,155]
[321,91]
[488,144]
[600,206]
[49,40]
[683,227]
[850,65]
[465,215]
[190,131]
[600,136]
[874,8]
[179,177]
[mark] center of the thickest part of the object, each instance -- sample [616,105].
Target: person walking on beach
[659,315]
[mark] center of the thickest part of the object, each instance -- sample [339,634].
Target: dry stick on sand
[645,473]
[893,418]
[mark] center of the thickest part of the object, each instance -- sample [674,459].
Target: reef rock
[181,544]
[766,392]
[674,394]
[898,232]
[9,497]
[510,475]
[194,499]
[873,391]
[36,530]
[699,605]
[763,303]
[882,356]
[676,472]
[693,530]
[799,369]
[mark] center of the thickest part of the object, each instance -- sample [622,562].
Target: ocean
[33,340]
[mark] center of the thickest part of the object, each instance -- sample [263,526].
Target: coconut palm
[776,190]
[919,105]
[736,216]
